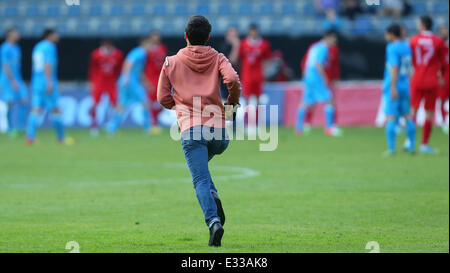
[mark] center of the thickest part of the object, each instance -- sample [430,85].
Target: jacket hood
[198,58]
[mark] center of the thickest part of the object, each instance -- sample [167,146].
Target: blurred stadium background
[93,18]
[289,25]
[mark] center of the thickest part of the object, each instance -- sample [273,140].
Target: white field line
[237,173]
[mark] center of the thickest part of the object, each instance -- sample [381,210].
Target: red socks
[426,131]
[93,116]
[155,111]
[308,117]
[443,110]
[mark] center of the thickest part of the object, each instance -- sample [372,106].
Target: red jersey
[445,69]
[252,54]
[105,66]
[332,69]
[428,53]
[155,61]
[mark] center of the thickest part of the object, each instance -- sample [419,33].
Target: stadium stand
[118,18]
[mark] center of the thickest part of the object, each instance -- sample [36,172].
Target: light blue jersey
[44,53]
[137,57]
[316,89]
[130,86]
[317,54]
[398,54]
[11,56]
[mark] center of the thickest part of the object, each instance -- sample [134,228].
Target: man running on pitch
[190,82]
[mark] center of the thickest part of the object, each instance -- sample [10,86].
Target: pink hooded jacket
[190,81]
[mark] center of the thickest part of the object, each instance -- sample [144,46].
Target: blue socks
[411,132]
[21,114]
[146,118]
[9,118]
[115,122]
[329,115]
[300,118]
[391,135]
[32,125]
[33,121]
[23,110]
[59,127]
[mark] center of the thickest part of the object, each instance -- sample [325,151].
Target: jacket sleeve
[163,93]
[230,79]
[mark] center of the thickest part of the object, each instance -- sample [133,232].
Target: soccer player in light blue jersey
[131,85]
[44,86]
[12,87]
[396,88]
[315,84]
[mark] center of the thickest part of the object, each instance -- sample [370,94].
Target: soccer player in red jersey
[333,72]
[253,51]
[155,61]
[428,52]
[443,90]
[104,70]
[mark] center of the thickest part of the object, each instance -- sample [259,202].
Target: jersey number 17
[424,51]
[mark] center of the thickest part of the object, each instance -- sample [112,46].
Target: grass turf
[132,193]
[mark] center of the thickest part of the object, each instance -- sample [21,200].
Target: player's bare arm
[48,77]
[234,54]
[126,72]
[145,82]
[441,78]
[322,73]
[394,76]
[12,79]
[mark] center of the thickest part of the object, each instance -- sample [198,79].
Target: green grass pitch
[132,193]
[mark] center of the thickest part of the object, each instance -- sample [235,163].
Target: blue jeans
[201,144]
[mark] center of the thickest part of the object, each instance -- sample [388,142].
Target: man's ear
[185,36]
[209,36]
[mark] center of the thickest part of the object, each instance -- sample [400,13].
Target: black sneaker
[220,211]
[215,234]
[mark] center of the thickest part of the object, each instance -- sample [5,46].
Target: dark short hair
[9,31]
[143,40]
[106,41]
[154,32]
[253,26]
[426,21]
[198,29]
[330,32]
[395,29]
[48,32]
